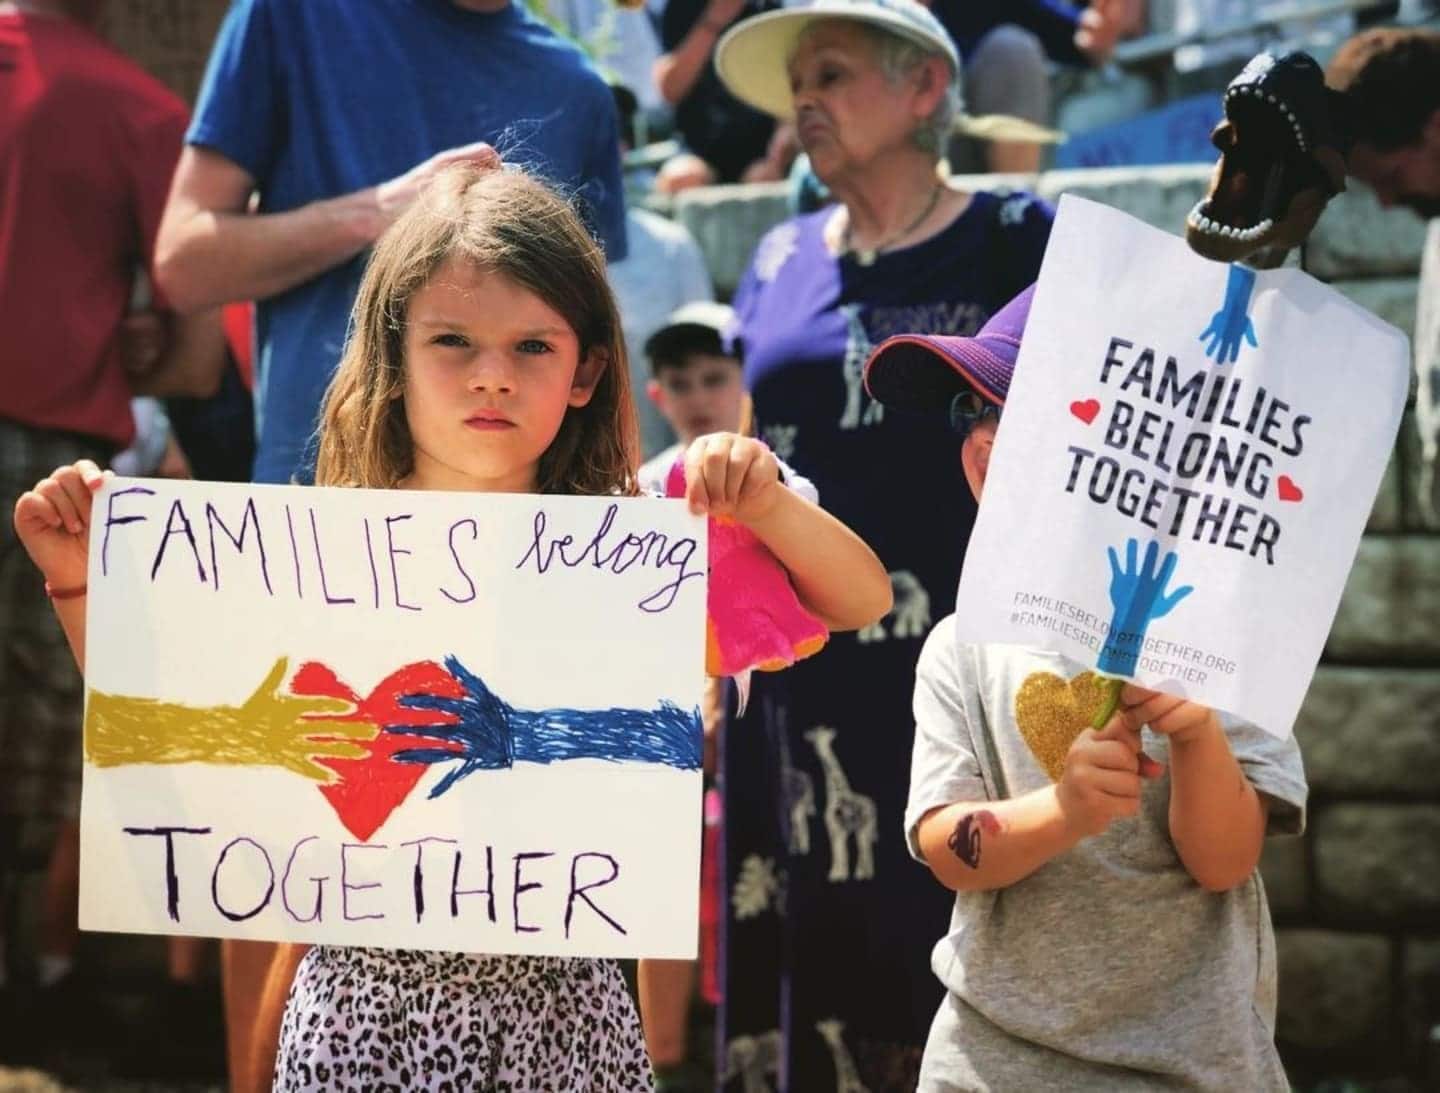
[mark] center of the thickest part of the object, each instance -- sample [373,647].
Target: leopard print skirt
[378,1019]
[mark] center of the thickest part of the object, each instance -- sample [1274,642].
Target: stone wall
[1356,900]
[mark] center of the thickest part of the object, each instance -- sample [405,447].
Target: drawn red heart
[1288,490]
[1086,410]
[370,789]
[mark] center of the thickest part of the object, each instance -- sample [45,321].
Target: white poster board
[1188,455]
[254,768]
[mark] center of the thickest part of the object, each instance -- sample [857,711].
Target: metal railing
[1151,46]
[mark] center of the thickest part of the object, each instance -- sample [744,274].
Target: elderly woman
[820,885]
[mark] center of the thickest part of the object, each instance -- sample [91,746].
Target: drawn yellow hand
[270,729]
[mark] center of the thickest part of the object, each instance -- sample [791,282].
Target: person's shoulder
[117,83]
[1011,666]
[1016,209]
[154,102]
[661,230]
[1020,210]
[559,55]
[798,234]
[941,646]
[289,18]
[811,223]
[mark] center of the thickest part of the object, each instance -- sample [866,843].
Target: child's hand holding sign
[53,521]
[1181,720]
[1104,772]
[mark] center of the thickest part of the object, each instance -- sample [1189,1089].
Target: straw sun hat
[752,58]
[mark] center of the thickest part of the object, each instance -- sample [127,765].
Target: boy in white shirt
[695,384]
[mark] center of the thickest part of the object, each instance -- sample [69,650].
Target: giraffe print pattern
[847,814]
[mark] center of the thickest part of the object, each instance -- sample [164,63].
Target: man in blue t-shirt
[336,113]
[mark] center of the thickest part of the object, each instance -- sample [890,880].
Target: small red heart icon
[1289,491]
[1086,410]
[370,789]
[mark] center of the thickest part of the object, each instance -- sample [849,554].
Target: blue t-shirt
[319,98]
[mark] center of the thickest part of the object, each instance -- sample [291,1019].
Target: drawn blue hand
[1231,325]
[1138,597]
[493,735]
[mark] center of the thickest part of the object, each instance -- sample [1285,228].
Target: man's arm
[678,68]
[211,251]
[188,358]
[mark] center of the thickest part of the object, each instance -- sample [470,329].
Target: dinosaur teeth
[1255,231]
[1198,220]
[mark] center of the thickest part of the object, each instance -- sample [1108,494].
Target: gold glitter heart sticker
[1051,713]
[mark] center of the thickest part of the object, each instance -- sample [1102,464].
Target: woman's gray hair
[898,57]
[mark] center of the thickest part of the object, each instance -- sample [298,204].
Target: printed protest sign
[418,720]
[1188,455]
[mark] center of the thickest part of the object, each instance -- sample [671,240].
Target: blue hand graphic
[1138,597]
[1231,325]
[493,735]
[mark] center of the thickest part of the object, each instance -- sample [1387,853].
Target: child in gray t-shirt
[1110,929]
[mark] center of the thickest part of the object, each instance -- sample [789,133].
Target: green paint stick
[1112,700]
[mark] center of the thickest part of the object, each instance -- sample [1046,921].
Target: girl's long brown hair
[508,223]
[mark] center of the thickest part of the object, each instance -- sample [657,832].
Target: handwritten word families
[1196,450]
[298,550]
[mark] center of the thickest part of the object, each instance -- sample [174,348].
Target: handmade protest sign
[1188,455]
[413,720]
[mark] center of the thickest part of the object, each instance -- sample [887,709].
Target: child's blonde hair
[503,222]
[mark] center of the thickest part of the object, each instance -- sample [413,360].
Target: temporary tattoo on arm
[964,841]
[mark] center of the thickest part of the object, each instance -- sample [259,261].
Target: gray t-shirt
[1109,967]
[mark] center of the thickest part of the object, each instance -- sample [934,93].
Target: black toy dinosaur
[1283,142]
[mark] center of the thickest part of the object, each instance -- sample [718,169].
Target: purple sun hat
[921,373]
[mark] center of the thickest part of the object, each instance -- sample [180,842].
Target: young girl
[486,354]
